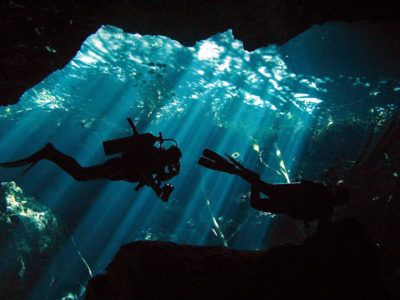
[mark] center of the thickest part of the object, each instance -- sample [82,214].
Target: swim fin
[216,162]
[242,171]
[209,164]
[229,165]
[16,163]
[235,162]
[20,163]
[214,156]
[30,160]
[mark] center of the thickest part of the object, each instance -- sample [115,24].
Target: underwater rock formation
[40,37]
[337,263]
[29,235]
[375,179]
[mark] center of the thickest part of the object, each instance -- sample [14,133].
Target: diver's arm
[177,167]
[172,171]
[151,182]
[162,193]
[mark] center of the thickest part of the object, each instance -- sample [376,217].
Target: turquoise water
[257,106]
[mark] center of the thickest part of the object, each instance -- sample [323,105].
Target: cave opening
[287,112]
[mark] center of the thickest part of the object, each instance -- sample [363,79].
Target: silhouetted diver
[305,200]
[140,161]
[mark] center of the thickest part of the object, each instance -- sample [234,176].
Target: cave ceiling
[38,37]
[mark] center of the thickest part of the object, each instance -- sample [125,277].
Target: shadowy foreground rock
[337,263]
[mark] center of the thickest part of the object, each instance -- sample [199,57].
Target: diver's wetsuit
[143,163]
[125,168]
[306,200]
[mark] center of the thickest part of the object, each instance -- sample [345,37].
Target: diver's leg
[149,181]
[265,188]
[264,204]
[65,162]
[104,171]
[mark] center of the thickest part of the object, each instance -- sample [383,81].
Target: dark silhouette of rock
[40,37]
[376,202]
[339,262]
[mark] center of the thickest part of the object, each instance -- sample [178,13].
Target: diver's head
[173,155]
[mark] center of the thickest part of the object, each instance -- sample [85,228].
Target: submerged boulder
[339,262]
[29,235]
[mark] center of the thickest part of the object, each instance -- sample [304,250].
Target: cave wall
[41,36]
[339,263]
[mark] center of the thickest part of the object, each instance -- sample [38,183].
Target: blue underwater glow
[214,95]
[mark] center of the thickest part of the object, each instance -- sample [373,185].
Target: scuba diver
[305,200]
[139,161]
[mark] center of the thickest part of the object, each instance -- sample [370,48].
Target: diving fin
[30,160]
[213,160]
[229,165]
[220,159]
[243,171]
[235,162]
[16,163]
[213,156]
[20,163]
[209,164]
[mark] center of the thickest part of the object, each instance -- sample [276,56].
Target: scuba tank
[129,144]
[133,143]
